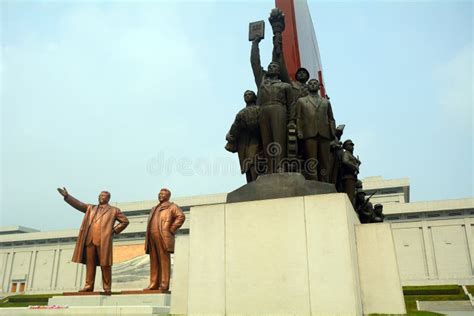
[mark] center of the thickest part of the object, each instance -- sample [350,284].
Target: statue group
[288,127]
[94,242]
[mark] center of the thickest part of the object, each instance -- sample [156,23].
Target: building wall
[435,251]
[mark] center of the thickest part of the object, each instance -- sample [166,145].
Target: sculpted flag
[299,40]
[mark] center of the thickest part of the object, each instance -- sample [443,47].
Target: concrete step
[88,311]
[152,300]
[445,306]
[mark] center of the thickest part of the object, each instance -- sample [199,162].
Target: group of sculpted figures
[288,127]
[94,242]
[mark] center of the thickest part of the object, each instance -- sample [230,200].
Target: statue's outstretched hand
[63,192]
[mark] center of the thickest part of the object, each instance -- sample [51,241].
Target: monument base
[84,293]
[86,311]
[153,300]
[298,256]
[279,185]
[146,292]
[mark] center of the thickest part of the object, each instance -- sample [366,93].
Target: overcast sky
[134,96]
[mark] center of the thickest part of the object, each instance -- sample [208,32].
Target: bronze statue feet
[87,289]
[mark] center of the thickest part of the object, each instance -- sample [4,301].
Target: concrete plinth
[379,278]
[293,256]
[154,300]
[279,185]
[87,311]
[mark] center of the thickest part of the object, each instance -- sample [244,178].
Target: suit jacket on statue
[107,217]
[314,117]
[169,218]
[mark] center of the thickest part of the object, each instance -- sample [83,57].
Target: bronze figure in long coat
[94,242]
[244,136]
[164,220]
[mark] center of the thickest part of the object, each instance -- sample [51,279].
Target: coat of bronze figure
[94,242]
[316,128]
[244,136]
[164,220]
[349,170]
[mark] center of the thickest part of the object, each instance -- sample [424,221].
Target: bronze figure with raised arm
[94,242]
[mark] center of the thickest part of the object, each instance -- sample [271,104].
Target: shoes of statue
[87,289]
[151,287]
[107,292]
[163,288]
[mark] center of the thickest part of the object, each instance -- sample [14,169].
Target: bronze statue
[378,212]
[316,127]
[275,99]
[94,242]
[364,207]
[349,170]
[164,220]
[244,136]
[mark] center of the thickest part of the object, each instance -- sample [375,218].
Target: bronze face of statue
[316,128]
[163,222]
[244,136]
[94,242]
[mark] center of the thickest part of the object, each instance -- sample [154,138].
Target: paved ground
[450,308]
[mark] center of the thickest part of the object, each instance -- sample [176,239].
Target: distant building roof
[4,230]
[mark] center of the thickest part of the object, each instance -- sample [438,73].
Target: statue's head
[348,145]
[378,209]
[273,68]
[313,85]
[104,197]
[302,75]
[250,97]
[164,195]
[360,195]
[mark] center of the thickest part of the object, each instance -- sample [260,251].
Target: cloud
[455,88]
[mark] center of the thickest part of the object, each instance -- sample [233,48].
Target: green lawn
[23,300]
[430,293]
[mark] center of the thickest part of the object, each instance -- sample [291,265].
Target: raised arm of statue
[279,57]
[78,205]
[257,69]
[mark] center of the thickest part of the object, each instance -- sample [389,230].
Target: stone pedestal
[279,256]
[279,185]
[151,300]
